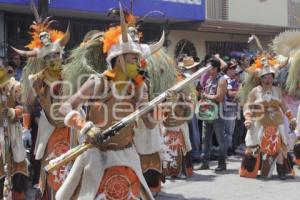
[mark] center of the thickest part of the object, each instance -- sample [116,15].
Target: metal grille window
[224,48]
[185,47]
[17,29]
[217,9]
[293,13]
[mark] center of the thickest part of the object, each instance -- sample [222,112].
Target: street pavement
[207,185]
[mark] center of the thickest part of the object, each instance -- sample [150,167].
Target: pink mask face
[132,31]
[45,39]
[264,61]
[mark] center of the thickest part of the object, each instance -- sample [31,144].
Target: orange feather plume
[36,29]
[258,65]
[111,37]
[131,19]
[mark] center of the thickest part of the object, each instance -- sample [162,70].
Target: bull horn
[97,36]
[23,53]
[49,24]
[66,37]
[46,21]
[258,43]
[158,45]
[35,12]
[123,25]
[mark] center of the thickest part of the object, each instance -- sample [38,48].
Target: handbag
[207,110]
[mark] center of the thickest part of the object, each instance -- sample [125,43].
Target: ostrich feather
[287,43]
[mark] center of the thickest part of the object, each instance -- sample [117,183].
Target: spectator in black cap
[214,93]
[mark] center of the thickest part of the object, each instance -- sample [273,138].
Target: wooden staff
[113,130]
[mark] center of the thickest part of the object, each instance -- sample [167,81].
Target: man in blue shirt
[16,59]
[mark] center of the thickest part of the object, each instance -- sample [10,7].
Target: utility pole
[43,6]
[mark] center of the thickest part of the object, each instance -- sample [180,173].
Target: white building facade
[196,27]
[229,23]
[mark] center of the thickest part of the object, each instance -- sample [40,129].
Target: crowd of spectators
[222,135]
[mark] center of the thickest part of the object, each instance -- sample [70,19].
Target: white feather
[287,43]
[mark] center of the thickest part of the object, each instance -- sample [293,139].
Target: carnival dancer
[13,166]
[149,142]
[263,112]
[287,44]
[297,142]
[283,80]
[85,60]
[176,131]
[42,80]
[100,172]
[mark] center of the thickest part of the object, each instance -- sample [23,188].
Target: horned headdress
[117,41]
[44,39]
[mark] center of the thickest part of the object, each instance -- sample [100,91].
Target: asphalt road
[207,185]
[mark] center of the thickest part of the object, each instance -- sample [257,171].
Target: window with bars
[185,47]
[18,26]
[293,13]
[217,9]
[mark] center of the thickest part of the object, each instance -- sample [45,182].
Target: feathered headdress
[264,64]
[39,28]
[293,80]
[261,62]
[111,38]
[33,66]
[286,43]
[117,41]
[85,60]
[162,72]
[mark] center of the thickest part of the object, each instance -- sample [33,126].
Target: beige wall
[199,38]
[267,12]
